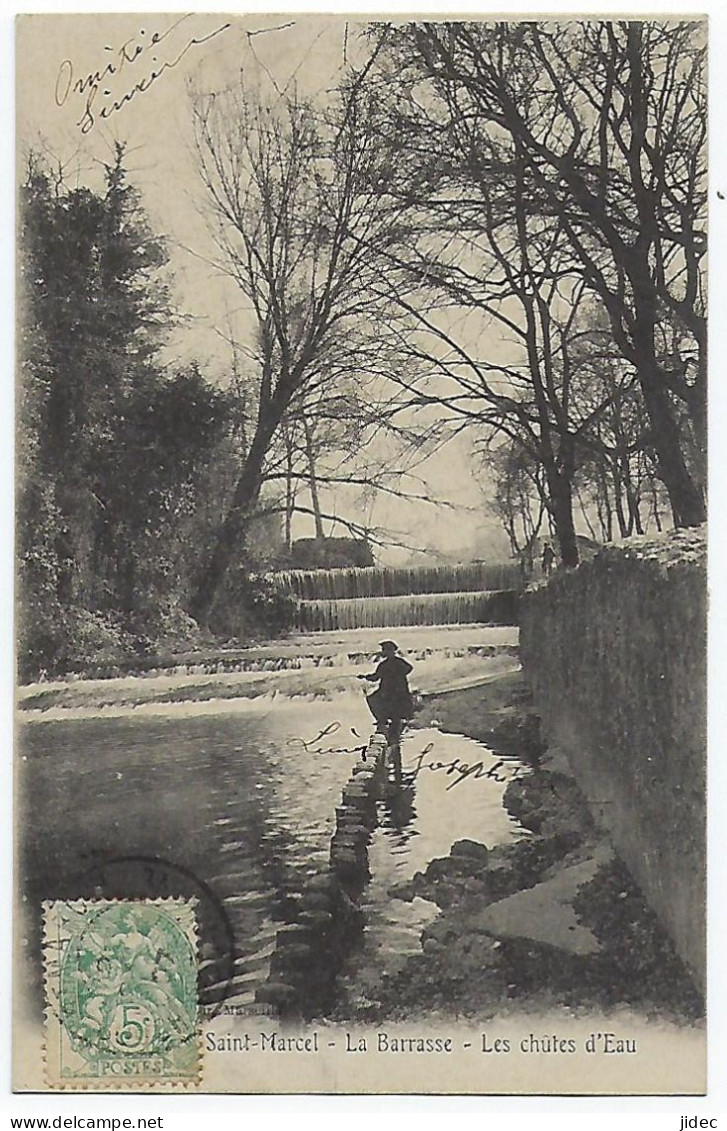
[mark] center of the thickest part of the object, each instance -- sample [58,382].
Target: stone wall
[615,652]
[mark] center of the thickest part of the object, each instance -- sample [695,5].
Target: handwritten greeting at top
[126,71]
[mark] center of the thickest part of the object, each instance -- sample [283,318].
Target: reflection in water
[227,800]
[397,809]
[420,818]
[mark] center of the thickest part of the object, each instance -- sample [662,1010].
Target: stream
[233,802]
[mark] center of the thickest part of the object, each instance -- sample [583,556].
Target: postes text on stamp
[121,993]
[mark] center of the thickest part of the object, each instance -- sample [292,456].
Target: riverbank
[553,922]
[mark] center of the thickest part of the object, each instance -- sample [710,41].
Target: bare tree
[615,462]
[295,202]
[607,122]
[519,500]
[492,300]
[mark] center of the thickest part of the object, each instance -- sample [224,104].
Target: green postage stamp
[121,993]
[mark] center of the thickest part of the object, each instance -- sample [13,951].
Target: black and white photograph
[361,554]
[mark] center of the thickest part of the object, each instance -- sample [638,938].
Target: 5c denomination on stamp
[121,993]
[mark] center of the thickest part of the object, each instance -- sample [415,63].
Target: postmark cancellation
[121,993]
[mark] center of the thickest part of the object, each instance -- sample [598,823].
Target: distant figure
[548,558]
[391,703]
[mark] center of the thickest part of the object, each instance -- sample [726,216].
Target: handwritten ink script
[311,745]
[461,771]
[127,71]
[458,770]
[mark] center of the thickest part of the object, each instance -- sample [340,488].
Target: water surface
[233,802]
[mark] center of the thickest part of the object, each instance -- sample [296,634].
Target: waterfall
[499,607]
[387,581]
[388,596]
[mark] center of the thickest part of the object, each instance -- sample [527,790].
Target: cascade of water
[498,607]
[388,581]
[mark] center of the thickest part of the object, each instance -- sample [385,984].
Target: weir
[389,597]
[396,581]
[422,609]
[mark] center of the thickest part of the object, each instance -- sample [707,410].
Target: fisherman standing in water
[392,702]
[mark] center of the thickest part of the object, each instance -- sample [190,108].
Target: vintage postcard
[361,554]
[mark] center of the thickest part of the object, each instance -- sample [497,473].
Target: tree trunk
[685,494]
[231,537]
[559,477]
[623,526]
[655,505]
[313,482]
[603,505]
[560,490]
[686,498]
[289,498]
[562,505]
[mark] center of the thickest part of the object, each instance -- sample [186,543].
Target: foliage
[110,444]
[250,606]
